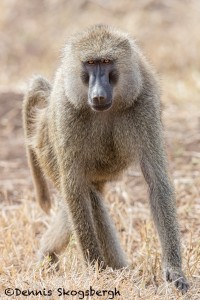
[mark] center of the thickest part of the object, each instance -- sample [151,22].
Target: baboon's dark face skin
[100,76]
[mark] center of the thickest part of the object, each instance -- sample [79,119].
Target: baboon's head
[100,75]
[101,68]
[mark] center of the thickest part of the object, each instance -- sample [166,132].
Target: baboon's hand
[177,276]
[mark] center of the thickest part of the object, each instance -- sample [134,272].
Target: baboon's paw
[49,260]
[179,279]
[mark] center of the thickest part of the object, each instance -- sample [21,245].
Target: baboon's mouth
[101,107]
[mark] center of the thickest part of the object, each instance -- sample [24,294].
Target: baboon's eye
[105,61]
[90,62]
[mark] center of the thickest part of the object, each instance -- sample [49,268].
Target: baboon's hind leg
[57,236]
[106,233]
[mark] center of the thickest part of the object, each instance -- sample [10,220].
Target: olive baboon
[101,115]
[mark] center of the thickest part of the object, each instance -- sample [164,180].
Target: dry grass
[32,33]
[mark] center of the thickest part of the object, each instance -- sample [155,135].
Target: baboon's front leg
[76,193]
[162,198]
[112,252]
[162,204]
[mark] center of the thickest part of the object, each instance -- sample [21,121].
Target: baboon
[101,115]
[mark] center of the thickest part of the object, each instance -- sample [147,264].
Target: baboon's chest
[109,152]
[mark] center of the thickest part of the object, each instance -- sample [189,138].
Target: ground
[169,34]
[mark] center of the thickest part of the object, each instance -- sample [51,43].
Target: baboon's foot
[49,259]
[176,275]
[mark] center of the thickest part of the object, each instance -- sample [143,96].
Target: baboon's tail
[36,96]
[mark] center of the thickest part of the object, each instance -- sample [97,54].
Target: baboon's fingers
[178,278]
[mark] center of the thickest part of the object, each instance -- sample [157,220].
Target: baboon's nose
[99,100]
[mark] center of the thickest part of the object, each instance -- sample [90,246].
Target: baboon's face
[100,75]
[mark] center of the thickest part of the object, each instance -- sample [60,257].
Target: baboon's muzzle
[100,89]
[100,78]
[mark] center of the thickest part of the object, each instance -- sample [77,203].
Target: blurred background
[32,34]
